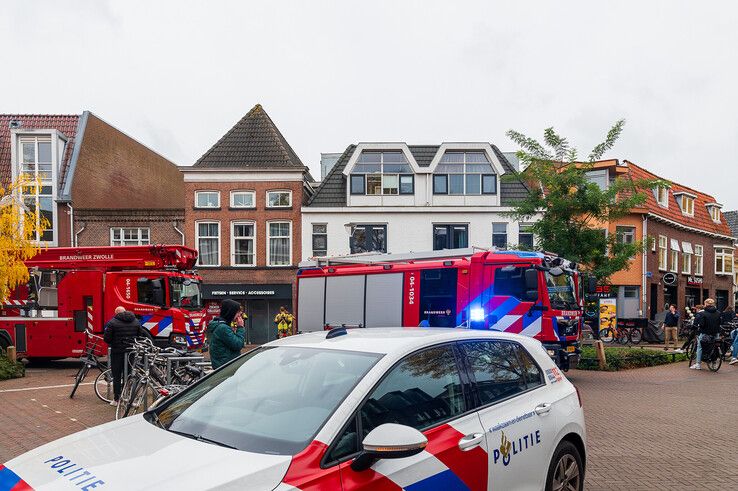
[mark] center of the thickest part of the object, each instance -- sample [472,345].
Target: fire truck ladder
[383,258]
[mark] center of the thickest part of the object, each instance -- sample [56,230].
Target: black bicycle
[104,381]
[712,353]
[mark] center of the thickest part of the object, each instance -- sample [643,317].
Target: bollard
[11,353]
[600,349]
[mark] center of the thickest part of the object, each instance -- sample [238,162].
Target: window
[662,195]
[630,292]
[129,236]
[663,252]
[208,243]
[368,238]
[686,203]
[598,177]
[714,212]
[686,258]
[525,236]
[207,199]
[450,237]
[510,282]
[674,263]
[698,259]
[243,244]
[243,199]
[279,199]
[34,159]
[422,391]
[149,289]
[320,239]
[279,243]
[625,235]
[723,261]
[382,173]
[467,173]
[499,235]
[499,369]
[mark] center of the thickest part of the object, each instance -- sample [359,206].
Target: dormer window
[382,173]
[464,173]
[686,203]
[714,210]
[661,193]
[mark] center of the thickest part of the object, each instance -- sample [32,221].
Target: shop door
[721,299]
[259,320]
[654,301]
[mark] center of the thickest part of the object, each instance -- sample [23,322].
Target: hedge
[626,358]
[10,369]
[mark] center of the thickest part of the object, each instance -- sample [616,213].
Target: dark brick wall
[711,281]
[97,224]
[115,171]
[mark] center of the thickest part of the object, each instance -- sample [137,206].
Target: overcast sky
[177,75]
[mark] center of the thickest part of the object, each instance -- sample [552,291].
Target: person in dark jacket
[728,315]
[671,321]
[708,326]
[226,333]
[120,331]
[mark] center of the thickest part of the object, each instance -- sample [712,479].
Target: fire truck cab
[75,289]
[528,293]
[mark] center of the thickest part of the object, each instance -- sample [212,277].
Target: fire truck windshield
[561,291]
[185,293]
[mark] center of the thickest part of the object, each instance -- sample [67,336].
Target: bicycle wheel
[104,386]
[79,378]
[607,335]
[715,359]
[636,335]
[143,396]
[125,397]
[692,351]
[622,336]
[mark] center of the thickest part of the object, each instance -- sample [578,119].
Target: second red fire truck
[527,293]
[75,289]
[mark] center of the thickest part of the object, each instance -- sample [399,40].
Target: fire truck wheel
[4,342]
[41,360]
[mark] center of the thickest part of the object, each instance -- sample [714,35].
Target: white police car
[375,409]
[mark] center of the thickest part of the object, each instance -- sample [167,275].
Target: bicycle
[712,354]
[620,334]
[103,384]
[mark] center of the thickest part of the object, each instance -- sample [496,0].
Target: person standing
[226,333]
[120,331]
[283,320]
[671,323]
[708,326]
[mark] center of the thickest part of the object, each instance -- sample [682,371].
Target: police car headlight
[551,352]
[476,315]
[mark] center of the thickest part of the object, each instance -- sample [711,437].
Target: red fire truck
[527,293]
[74,289]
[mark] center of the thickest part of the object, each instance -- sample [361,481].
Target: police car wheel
[565,473]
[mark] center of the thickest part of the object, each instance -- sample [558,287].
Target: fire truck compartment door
[344,300]
[384,300]
[311,304]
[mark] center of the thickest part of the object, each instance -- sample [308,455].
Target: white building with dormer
[395,197]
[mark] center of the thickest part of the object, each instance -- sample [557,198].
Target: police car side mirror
[389,441]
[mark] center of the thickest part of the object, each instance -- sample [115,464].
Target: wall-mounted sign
[669,279]
[240,291]
[605,291]
[694,281]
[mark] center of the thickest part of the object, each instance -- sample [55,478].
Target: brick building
[242,213]
[689,254]
[99,186]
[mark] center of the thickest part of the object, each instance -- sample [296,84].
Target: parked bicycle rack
[172,359]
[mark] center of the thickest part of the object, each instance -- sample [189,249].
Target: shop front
[261,303]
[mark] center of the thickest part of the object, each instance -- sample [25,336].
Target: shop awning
[687,247]
[675,245]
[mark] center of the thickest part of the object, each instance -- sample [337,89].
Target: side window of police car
[421,391]
[501,369]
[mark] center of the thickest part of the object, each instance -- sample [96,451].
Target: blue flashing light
[476,315]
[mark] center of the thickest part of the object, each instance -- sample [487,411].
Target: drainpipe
[174,224]
[644,303]
[76,235]
[71,224]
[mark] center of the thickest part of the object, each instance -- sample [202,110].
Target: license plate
[570,349]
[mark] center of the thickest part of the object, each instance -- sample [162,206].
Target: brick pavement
[658,428]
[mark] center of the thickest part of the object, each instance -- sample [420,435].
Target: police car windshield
[561,291]
[272,400]
[185,293]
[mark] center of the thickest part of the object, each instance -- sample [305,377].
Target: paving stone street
[654,428]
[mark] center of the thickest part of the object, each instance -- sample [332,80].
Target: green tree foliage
[574,211]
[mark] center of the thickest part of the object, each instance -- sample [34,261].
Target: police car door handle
[543,408]
[470,441]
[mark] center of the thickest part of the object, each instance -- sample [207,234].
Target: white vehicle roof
[386,340]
